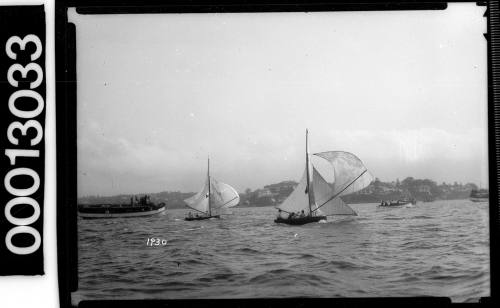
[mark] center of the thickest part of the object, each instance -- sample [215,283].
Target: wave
[420,245]
[394,218]
[280,277]
[248,250]
[345,265]
[176,285]
[422,217]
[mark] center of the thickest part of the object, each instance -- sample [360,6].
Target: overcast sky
[404,91]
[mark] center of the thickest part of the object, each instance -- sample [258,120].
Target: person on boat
[291,215]
[197,215]
[302,214]
[190,215]
[279,213]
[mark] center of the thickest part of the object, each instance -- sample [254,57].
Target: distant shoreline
[273,205]
[273,194]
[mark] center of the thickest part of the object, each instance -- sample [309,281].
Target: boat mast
[309,185]
[209,194]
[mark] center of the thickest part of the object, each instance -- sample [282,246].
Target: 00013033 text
[21,196]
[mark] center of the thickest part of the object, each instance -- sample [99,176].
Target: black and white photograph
[282,155]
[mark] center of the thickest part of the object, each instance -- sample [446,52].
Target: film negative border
[65,53]
[493,39]
[66,135]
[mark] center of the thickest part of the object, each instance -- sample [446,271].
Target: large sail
[298,200]
[349,172]
[223,195]
[199,202]
[325,201]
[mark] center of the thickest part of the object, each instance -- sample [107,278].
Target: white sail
[199,202]
[349,172]
[223,195]
[298,200]
[325,201]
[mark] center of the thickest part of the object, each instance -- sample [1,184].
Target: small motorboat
[479,195]
[397,203]
[142,207]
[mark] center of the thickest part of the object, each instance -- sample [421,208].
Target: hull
[201,218]
[300,220]
[116,211]
[479,199]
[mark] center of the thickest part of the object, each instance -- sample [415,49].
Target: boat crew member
[190,215]
[302,214]
[290,216]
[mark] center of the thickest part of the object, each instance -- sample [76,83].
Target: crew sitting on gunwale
[292,215]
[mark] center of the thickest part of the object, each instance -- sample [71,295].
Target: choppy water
[437,249]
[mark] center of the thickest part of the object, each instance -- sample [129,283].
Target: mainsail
[298,200]
[199,202]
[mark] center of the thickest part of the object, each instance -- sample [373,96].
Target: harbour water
[429,249]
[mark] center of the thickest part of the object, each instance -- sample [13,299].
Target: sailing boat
[212,199]
[314,198]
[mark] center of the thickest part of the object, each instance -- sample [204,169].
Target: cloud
[412,145]
[118,165]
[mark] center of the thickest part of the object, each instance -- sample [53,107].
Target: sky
[405,91]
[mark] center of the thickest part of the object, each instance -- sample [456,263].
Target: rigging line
[229,201]
[283,210]
[341,190]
